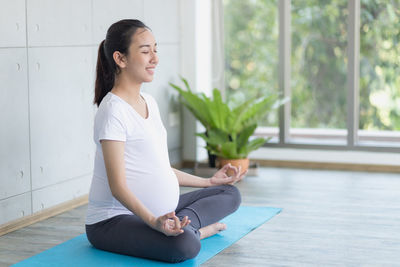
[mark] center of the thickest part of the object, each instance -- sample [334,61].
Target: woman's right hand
[170,225]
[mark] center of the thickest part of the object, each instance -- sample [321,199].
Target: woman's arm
[186,179]
[113,152]
[220,177]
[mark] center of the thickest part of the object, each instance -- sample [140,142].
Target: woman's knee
[184,247]
[236,198]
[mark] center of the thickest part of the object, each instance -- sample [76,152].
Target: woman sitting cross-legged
[134,202]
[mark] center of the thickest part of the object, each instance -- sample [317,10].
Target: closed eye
[146,52]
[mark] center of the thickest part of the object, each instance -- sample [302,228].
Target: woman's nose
[154,58]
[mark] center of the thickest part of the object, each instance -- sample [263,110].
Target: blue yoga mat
[79,252]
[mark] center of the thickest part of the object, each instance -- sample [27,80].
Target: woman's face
[142,58]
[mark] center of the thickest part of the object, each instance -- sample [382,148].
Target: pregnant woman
[134,202]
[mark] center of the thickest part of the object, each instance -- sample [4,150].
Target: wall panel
[61,113]
[163,18]
[107,12]
[12,23]
[14,121]
[15,207]
[50,196]
[59,23]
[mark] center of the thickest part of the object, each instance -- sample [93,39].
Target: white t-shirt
[148,171]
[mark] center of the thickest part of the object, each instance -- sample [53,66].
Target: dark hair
[118,38]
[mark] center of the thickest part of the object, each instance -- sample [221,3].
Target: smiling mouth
[150,70]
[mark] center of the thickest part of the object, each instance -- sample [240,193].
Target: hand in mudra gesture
[221,177]
[170,225]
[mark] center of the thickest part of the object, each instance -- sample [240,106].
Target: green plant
[228,130]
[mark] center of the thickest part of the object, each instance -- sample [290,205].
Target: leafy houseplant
[228,130]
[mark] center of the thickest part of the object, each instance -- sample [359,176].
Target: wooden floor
[329,218]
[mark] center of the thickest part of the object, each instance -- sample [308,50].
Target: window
[251,52]
[323,53]
[379,71]
[319,70]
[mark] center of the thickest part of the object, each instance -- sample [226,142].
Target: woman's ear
[119,59]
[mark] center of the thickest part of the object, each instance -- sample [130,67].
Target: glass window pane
[319,71]
[379,72]
[251,52]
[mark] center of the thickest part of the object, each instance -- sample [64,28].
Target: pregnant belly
[159,193]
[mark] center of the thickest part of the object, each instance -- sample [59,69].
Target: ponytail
[104,76]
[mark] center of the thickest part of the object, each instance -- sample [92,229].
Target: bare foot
[211,229]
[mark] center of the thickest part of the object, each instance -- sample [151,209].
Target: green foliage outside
[251,51]
[319,64]
[319,60]
[380,65]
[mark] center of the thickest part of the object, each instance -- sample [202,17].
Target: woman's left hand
[220,177]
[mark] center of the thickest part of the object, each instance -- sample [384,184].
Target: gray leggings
[129,235]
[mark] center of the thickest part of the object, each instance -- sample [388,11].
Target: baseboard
[178,165]
[188,163]
[327,165]
[42,215]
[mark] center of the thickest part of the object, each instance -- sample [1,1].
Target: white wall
[48,52]
[196,68]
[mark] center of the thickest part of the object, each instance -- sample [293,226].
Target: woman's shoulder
[111,106]
[111,102]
